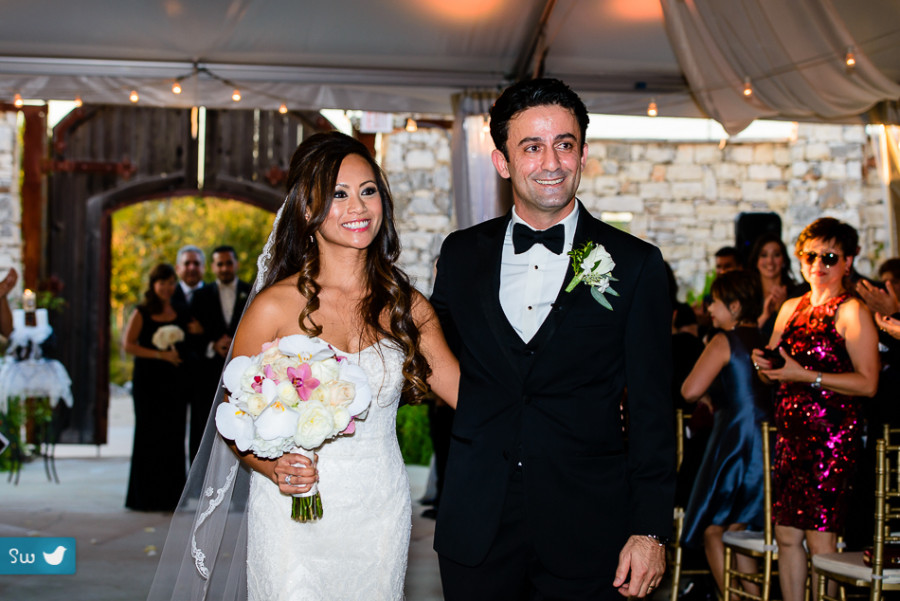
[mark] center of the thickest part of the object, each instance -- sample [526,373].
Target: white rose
[341,419]
[256,403]
[268,449]
[287,393]
[315,425]
[335,393]
[599,257]
[325,370]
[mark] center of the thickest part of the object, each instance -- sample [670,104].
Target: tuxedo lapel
[490,251]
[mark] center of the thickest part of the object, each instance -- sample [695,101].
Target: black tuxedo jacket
[207,309]
[554,403]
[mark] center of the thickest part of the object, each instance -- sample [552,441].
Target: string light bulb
[411,125]
[850,58]
[176,87]
[78,101]
[283,109]
[18,102]
[236,95]
[748,87]
[133,97]
[651,109]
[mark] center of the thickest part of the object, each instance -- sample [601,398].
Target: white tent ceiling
[382,55]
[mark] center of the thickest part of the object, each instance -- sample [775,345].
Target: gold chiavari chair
[850,568]
[760,545]
[675,550]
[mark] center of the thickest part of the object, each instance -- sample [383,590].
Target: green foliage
[413,434]
[149,233]
[692,298]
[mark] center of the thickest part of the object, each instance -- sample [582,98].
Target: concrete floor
[118,549]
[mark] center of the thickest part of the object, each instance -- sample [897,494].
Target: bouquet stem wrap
[307,506]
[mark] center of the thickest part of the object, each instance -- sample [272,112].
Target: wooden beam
[33,152]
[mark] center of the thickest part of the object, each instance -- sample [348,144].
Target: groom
[550,493]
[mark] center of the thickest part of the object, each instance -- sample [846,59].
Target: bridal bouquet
[165,337]
[292,397]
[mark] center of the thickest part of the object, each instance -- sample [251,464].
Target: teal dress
[729,484]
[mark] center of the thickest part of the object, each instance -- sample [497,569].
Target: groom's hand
[645,559]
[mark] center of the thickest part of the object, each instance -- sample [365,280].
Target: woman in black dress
[158,465]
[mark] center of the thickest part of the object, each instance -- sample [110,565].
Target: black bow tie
[524,238]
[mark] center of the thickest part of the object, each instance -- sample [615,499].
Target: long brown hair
[152,303]
[310,190]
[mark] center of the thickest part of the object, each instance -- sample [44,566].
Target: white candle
[29,302]
[42,318]
[18,319]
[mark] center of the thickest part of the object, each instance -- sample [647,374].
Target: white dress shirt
[530,282]
[188,291]
[227,295]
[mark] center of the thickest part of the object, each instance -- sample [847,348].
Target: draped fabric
[476,185]
[885,144]
[792,52]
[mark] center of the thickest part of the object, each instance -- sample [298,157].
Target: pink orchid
[301,378]
[351,427]
[270,373]
[257,384]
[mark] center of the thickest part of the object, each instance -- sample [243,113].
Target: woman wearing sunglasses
[829,346]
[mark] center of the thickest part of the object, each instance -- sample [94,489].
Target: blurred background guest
[218,308]
[158,465]
[727,258]
[728,491]
[829,343]
[770,262]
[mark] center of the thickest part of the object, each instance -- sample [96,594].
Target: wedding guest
[218,308]
[157,458]
[770,263]
[829,345]
[883,408]
[190,265]
[727,258]
[728,492]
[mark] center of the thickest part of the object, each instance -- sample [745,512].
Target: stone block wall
[418,166]
[10,205]
[685,197]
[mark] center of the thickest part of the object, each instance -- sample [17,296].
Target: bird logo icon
[55,558]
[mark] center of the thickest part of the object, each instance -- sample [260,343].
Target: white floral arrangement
[292,397]
[166,337]
[593,265]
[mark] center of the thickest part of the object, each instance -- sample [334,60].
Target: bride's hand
[294,473]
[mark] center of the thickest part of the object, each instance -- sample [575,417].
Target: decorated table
[31,388]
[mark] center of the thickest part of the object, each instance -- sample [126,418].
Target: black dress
[729,485]
[158,462]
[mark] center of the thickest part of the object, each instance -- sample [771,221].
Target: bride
[327,271]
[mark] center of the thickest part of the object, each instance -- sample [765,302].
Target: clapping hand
[878,300]
[888,324]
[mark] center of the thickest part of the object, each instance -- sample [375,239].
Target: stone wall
[10,205]
[685,197]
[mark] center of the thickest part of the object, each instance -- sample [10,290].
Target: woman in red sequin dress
[830,346]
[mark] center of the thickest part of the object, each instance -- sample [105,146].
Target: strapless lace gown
[359,548]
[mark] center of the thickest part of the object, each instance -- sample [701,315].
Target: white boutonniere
[593,266]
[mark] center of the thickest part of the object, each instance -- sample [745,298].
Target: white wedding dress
[359,548]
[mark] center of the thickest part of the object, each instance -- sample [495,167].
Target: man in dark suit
[549,492]
[190,265]
[218,308]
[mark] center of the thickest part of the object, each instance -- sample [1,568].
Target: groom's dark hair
[527,94]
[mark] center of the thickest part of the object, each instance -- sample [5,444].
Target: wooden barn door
[106,157]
